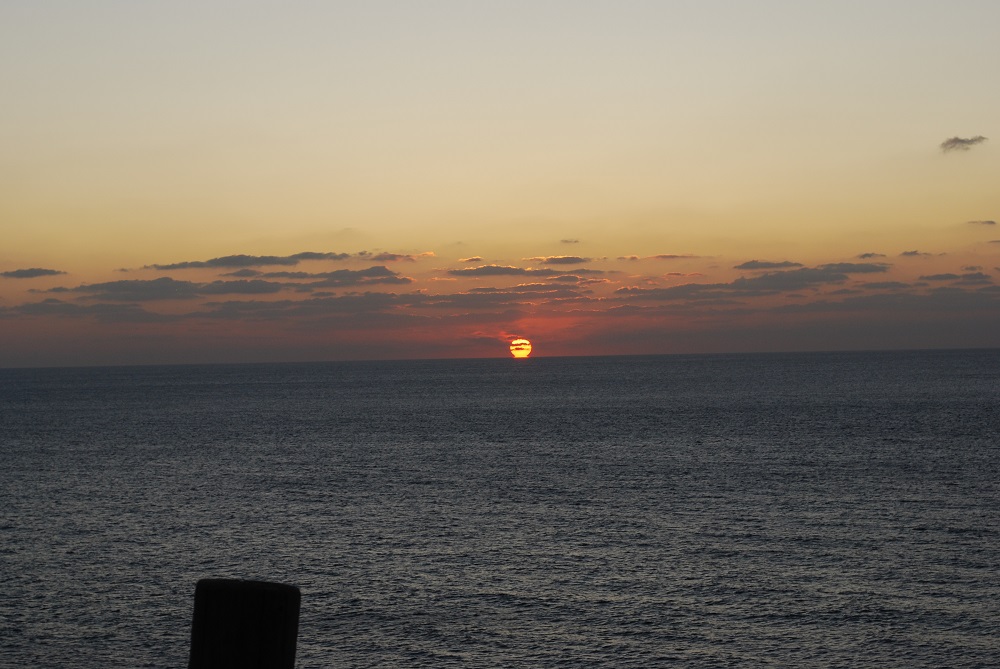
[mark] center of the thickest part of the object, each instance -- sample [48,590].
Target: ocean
[770,510]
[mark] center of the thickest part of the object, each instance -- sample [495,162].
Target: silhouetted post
[244,625]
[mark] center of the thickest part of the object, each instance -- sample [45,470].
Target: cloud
[560,260]
[967,279]
[108,313]
[886,285]
[660,256]
[398,257]
[344,277]
[243,273]
[242,287]
[569,241]
[764,264]
[769,283]
[251,261]
[961,143]
[982,222]
[914,253]
[472,259]
[30,273]
[137,290]
[507,270]
[373,275]
[856,267]
[869,256]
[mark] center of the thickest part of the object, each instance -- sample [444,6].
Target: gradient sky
[260,181]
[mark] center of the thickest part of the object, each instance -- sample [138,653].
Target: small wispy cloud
[471,259]
[560,260]
[241,260]
[913,254]
[764,264]
[869,256]
[569,241]
[961,143]
[982,222]
[394,257]
[30,273]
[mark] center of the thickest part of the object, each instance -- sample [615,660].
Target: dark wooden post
[244,625]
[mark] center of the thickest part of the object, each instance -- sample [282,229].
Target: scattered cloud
[235,261]
[885,285]
[961,143]
[30,273]
[507,270]
[914,253]
[243,273]
[764,264]
[869,256]
[137,290]
[396,257]
[107,313]
[855,267]
[967,279]
[659,256]
[560,260]
[987,222]
[373,275]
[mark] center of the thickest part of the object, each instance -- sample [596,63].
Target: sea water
[806,510]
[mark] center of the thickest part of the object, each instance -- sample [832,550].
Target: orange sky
[221,182]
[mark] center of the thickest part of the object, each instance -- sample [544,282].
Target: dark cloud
[243,287]
[138,290]
[378,274]
[886,285]
[251,261]
[764,264]
[501,270]
[855,267]
[243,273]
[397,257]
[344,277]
[629,258]
[961,143]
[560,260]
[914,253]
[769,283]
[507,270]
[869,256]
[672,256]
[472,259]
[30,273]
[967,279]
[975,279]
[982,222]
[108,313]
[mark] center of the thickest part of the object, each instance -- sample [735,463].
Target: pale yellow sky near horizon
[149,133]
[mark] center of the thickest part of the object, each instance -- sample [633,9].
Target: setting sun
[520,348]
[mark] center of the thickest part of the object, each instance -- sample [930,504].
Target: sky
[216,181]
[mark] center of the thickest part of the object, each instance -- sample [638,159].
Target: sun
[520,348]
